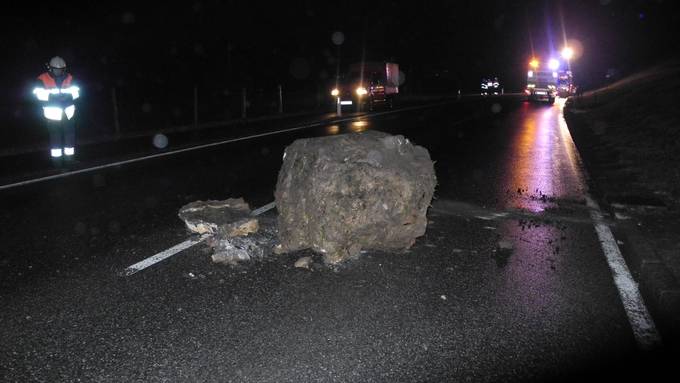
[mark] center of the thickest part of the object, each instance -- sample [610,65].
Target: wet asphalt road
[453,308]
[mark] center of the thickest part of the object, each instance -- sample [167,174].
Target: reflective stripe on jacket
[57,95]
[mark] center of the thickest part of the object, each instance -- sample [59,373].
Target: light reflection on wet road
[541,170]
[541,164]
[457,306]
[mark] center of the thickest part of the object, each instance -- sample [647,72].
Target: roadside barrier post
[243,103]
[195,106]
[116,120]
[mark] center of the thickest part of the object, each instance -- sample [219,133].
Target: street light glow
[553,64]
[567,53]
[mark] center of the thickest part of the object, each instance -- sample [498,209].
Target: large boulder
[340,194]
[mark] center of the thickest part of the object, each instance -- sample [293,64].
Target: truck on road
[542,79]
[368,85]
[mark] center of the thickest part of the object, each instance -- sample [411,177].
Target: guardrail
[118,113]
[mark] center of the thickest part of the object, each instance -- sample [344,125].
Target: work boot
[69,157]
[56,157]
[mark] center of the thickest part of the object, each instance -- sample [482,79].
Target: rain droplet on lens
[338,38]
[160,141]
[496,108]
[127,18]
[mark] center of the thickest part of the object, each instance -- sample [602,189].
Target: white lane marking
[231,140]
[263,209]
[152,260]
[640,320]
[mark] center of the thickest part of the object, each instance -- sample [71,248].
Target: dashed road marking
[264,208]
[152,260]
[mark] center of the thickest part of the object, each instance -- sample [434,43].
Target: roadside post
[243,103]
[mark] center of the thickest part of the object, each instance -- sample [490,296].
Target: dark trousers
[62,133]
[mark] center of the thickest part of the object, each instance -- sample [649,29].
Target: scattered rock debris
[505,246]
[235,234]
[303,262]
[503,251]
[231,217]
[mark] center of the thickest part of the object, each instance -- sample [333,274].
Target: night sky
[439,45]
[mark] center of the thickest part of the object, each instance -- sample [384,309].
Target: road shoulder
[646,221]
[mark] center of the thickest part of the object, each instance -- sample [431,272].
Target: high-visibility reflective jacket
[57,96]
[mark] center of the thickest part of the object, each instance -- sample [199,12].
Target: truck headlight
[335,92]
[361,91]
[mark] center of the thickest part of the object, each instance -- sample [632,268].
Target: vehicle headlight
[361,91]
[335,92]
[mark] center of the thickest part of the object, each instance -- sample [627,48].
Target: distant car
[490,86]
